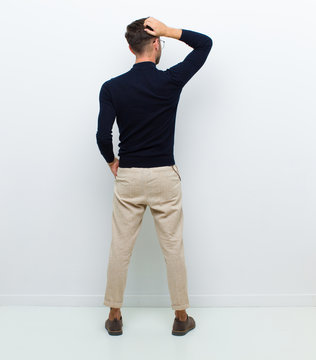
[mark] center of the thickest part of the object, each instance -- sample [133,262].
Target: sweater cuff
[182,34]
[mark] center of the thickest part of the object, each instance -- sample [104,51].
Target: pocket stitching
[176,171]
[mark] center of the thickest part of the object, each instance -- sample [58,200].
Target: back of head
[137,37]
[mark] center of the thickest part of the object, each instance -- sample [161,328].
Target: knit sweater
[144,102]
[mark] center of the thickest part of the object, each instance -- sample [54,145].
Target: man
[144,100]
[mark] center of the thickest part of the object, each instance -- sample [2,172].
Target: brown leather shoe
[182,327]
[114,327]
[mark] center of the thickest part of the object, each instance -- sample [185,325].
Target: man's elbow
[103,138]
[209,42]
[208,46]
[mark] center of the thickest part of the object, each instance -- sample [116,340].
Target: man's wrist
[111,163]
[173,33]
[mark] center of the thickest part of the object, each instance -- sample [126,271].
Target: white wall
[245,147]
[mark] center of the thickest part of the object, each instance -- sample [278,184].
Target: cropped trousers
[160,189]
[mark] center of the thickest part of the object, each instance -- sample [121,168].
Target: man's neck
[145,59]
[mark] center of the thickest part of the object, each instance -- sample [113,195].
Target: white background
[245,148]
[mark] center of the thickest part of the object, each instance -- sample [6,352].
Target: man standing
[144,101]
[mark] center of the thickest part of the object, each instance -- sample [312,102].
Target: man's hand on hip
[114,165]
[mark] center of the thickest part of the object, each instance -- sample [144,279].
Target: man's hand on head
[114,165]
[155,27]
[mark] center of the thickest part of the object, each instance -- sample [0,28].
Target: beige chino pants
[160,189]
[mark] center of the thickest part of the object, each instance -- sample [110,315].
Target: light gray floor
[230,333]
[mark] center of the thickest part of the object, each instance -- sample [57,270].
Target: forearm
[173,33]
[106,119]
[192,38]
[106,148]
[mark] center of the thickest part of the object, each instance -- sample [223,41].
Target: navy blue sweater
[144,101]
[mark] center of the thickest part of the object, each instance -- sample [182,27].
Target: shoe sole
[115,332]
[182,332]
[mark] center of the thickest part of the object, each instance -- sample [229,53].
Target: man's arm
[182,72]
[105,124]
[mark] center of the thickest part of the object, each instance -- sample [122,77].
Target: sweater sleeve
[182,72]
[105,124]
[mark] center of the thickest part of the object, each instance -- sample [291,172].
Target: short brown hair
[137,37]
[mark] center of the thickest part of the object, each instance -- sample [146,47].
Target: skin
[152,53]
[115,313]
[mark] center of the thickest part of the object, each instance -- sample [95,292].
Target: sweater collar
[144,64]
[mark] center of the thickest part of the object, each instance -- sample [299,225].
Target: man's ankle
[115,313]
[181,315]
